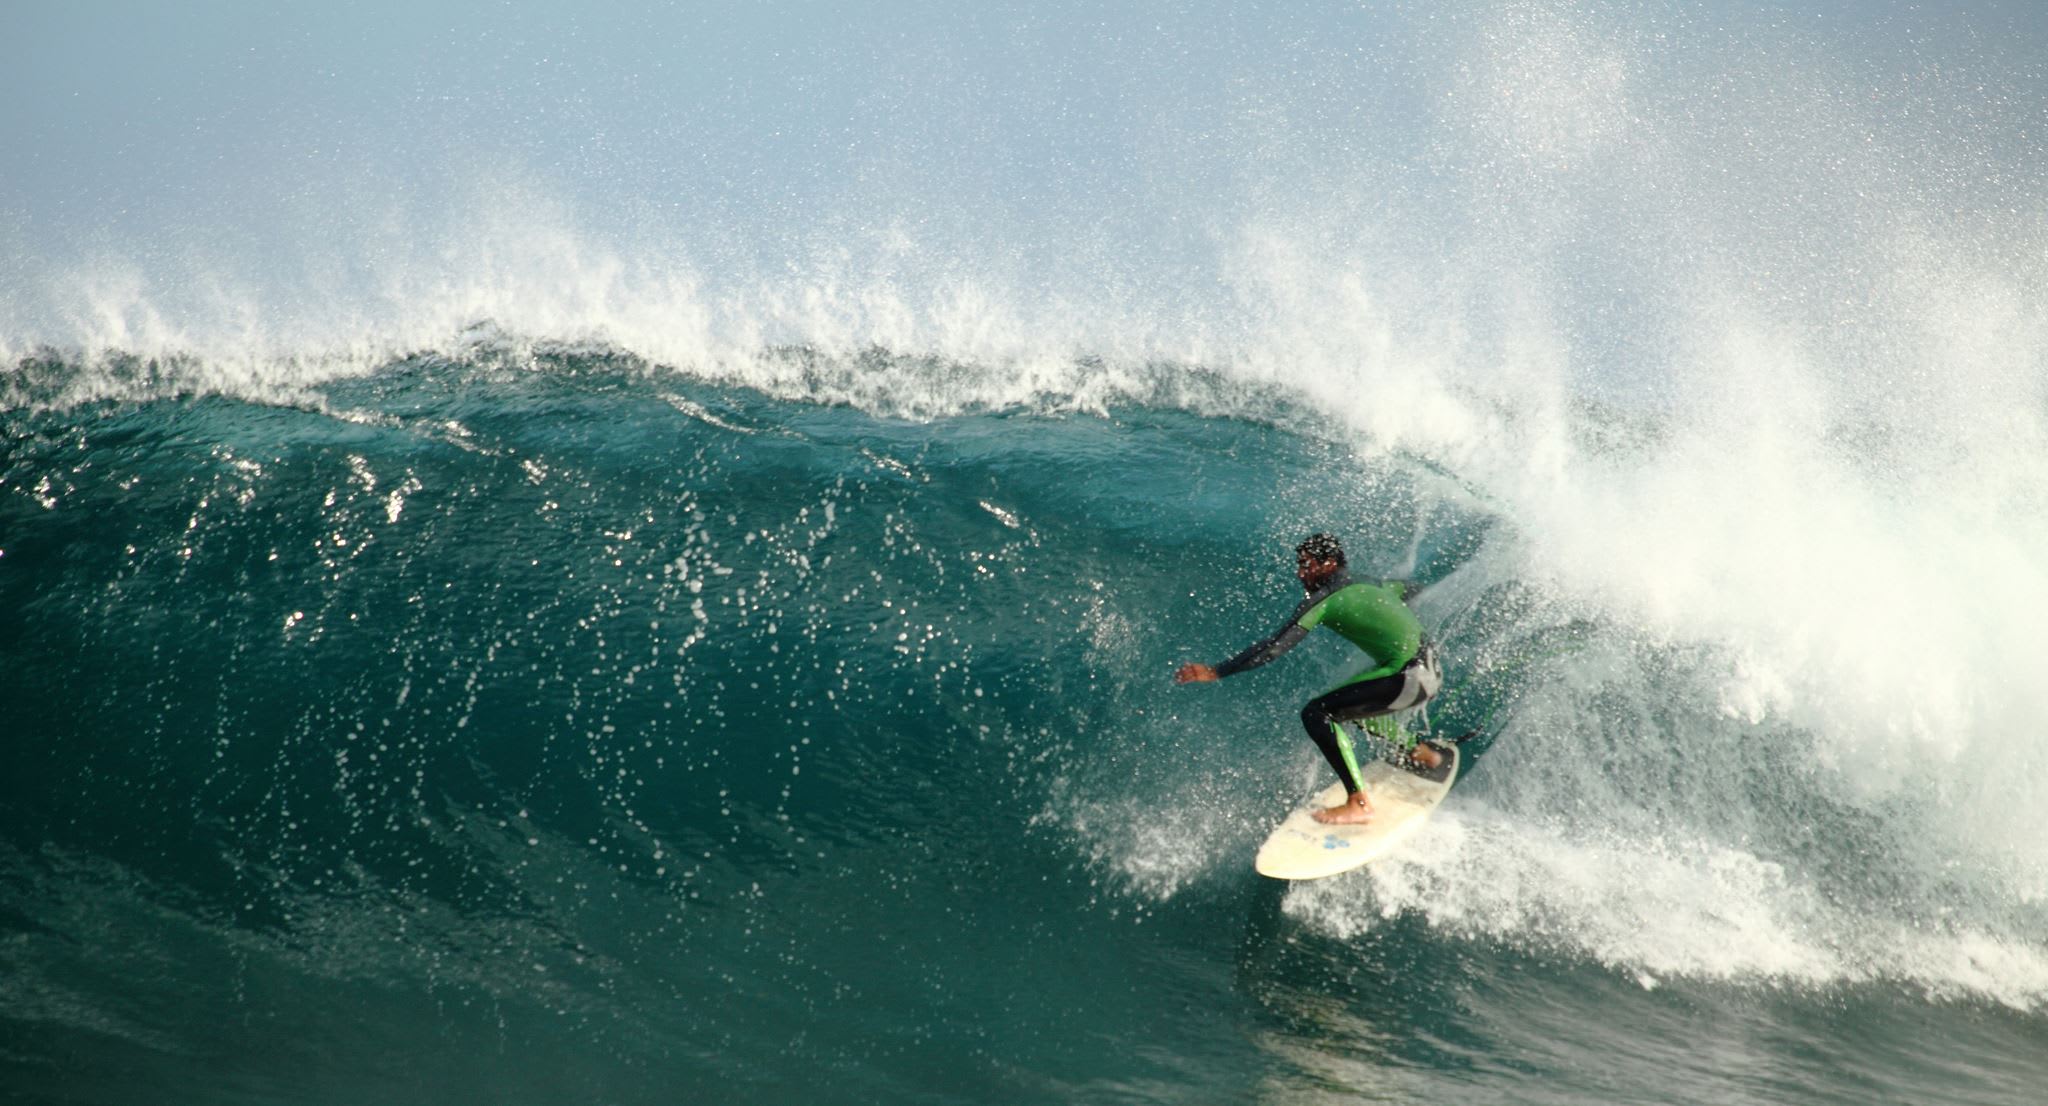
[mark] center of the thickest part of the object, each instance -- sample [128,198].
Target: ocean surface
[638,556]
[533,725]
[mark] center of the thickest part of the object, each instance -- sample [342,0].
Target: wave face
[555,705]
[497,619]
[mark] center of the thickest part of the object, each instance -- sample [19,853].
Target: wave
[1712,407]
[491,591]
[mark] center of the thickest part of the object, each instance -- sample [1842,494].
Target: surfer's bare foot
[1353,811]
[1425,755]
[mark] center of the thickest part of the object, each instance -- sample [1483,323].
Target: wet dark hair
[1320,547]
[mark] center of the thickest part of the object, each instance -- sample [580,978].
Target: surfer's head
[1316,559]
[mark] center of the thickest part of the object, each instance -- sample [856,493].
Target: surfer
[1374,617]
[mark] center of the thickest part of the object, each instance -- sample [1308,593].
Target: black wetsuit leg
[1347,704]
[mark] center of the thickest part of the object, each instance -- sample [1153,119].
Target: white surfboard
[1402,800]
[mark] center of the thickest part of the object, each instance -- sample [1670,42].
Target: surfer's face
[1313,572]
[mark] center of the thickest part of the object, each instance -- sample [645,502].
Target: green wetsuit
[1377,620]
[1370,616]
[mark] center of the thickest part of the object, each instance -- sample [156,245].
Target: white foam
[1661,907]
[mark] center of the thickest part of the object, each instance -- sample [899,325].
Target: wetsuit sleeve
[1304,619]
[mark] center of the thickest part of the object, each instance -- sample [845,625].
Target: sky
[1142,146]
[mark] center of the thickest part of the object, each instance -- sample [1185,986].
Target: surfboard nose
[1402,801]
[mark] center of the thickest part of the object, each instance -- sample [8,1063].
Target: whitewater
[652,605]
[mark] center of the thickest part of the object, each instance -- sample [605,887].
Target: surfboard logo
[1332,841]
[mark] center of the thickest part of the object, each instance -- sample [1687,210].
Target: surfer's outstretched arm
[1270,648]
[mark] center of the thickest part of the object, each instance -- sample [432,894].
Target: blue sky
[113,107]
[1141,138]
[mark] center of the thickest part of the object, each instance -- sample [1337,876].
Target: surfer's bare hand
[1194,674]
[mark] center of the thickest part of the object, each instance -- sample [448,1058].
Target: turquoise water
[544,726]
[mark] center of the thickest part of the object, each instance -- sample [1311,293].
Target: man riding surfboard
[1375,618]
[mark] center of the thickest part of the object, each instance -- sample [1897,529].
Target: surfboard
[1402,800]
